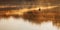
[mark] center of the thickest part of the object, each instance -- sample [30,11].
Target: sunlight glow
[49,7]
[22,11]
[19,24]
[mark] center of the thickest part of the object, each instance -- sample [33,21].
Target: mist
[19,24]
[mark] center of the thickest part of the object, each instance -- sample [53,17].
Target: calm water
[19,24]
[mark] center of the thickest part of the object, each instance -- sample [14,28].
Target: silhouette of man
[39,9]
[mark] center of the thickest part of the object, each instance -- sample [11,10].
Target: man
[39,9]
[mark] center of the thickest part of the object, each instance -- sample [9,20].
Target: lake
[19,24]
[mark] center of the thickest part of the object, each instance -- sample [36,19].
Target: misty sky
[29,3]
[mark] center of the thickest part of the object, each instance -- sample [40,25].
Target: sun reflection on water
[19,24]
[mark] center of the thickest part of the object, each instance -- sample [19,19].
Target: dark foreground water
[19,24]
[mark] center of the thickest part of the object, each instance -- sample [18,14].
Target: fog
[19,24]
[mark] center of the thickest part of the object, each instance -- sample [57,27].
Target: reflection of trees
[35,16]
[46,15]
[31,15]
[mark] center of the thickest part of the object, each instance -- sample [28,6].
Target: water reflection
[30,20]
[19,24]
